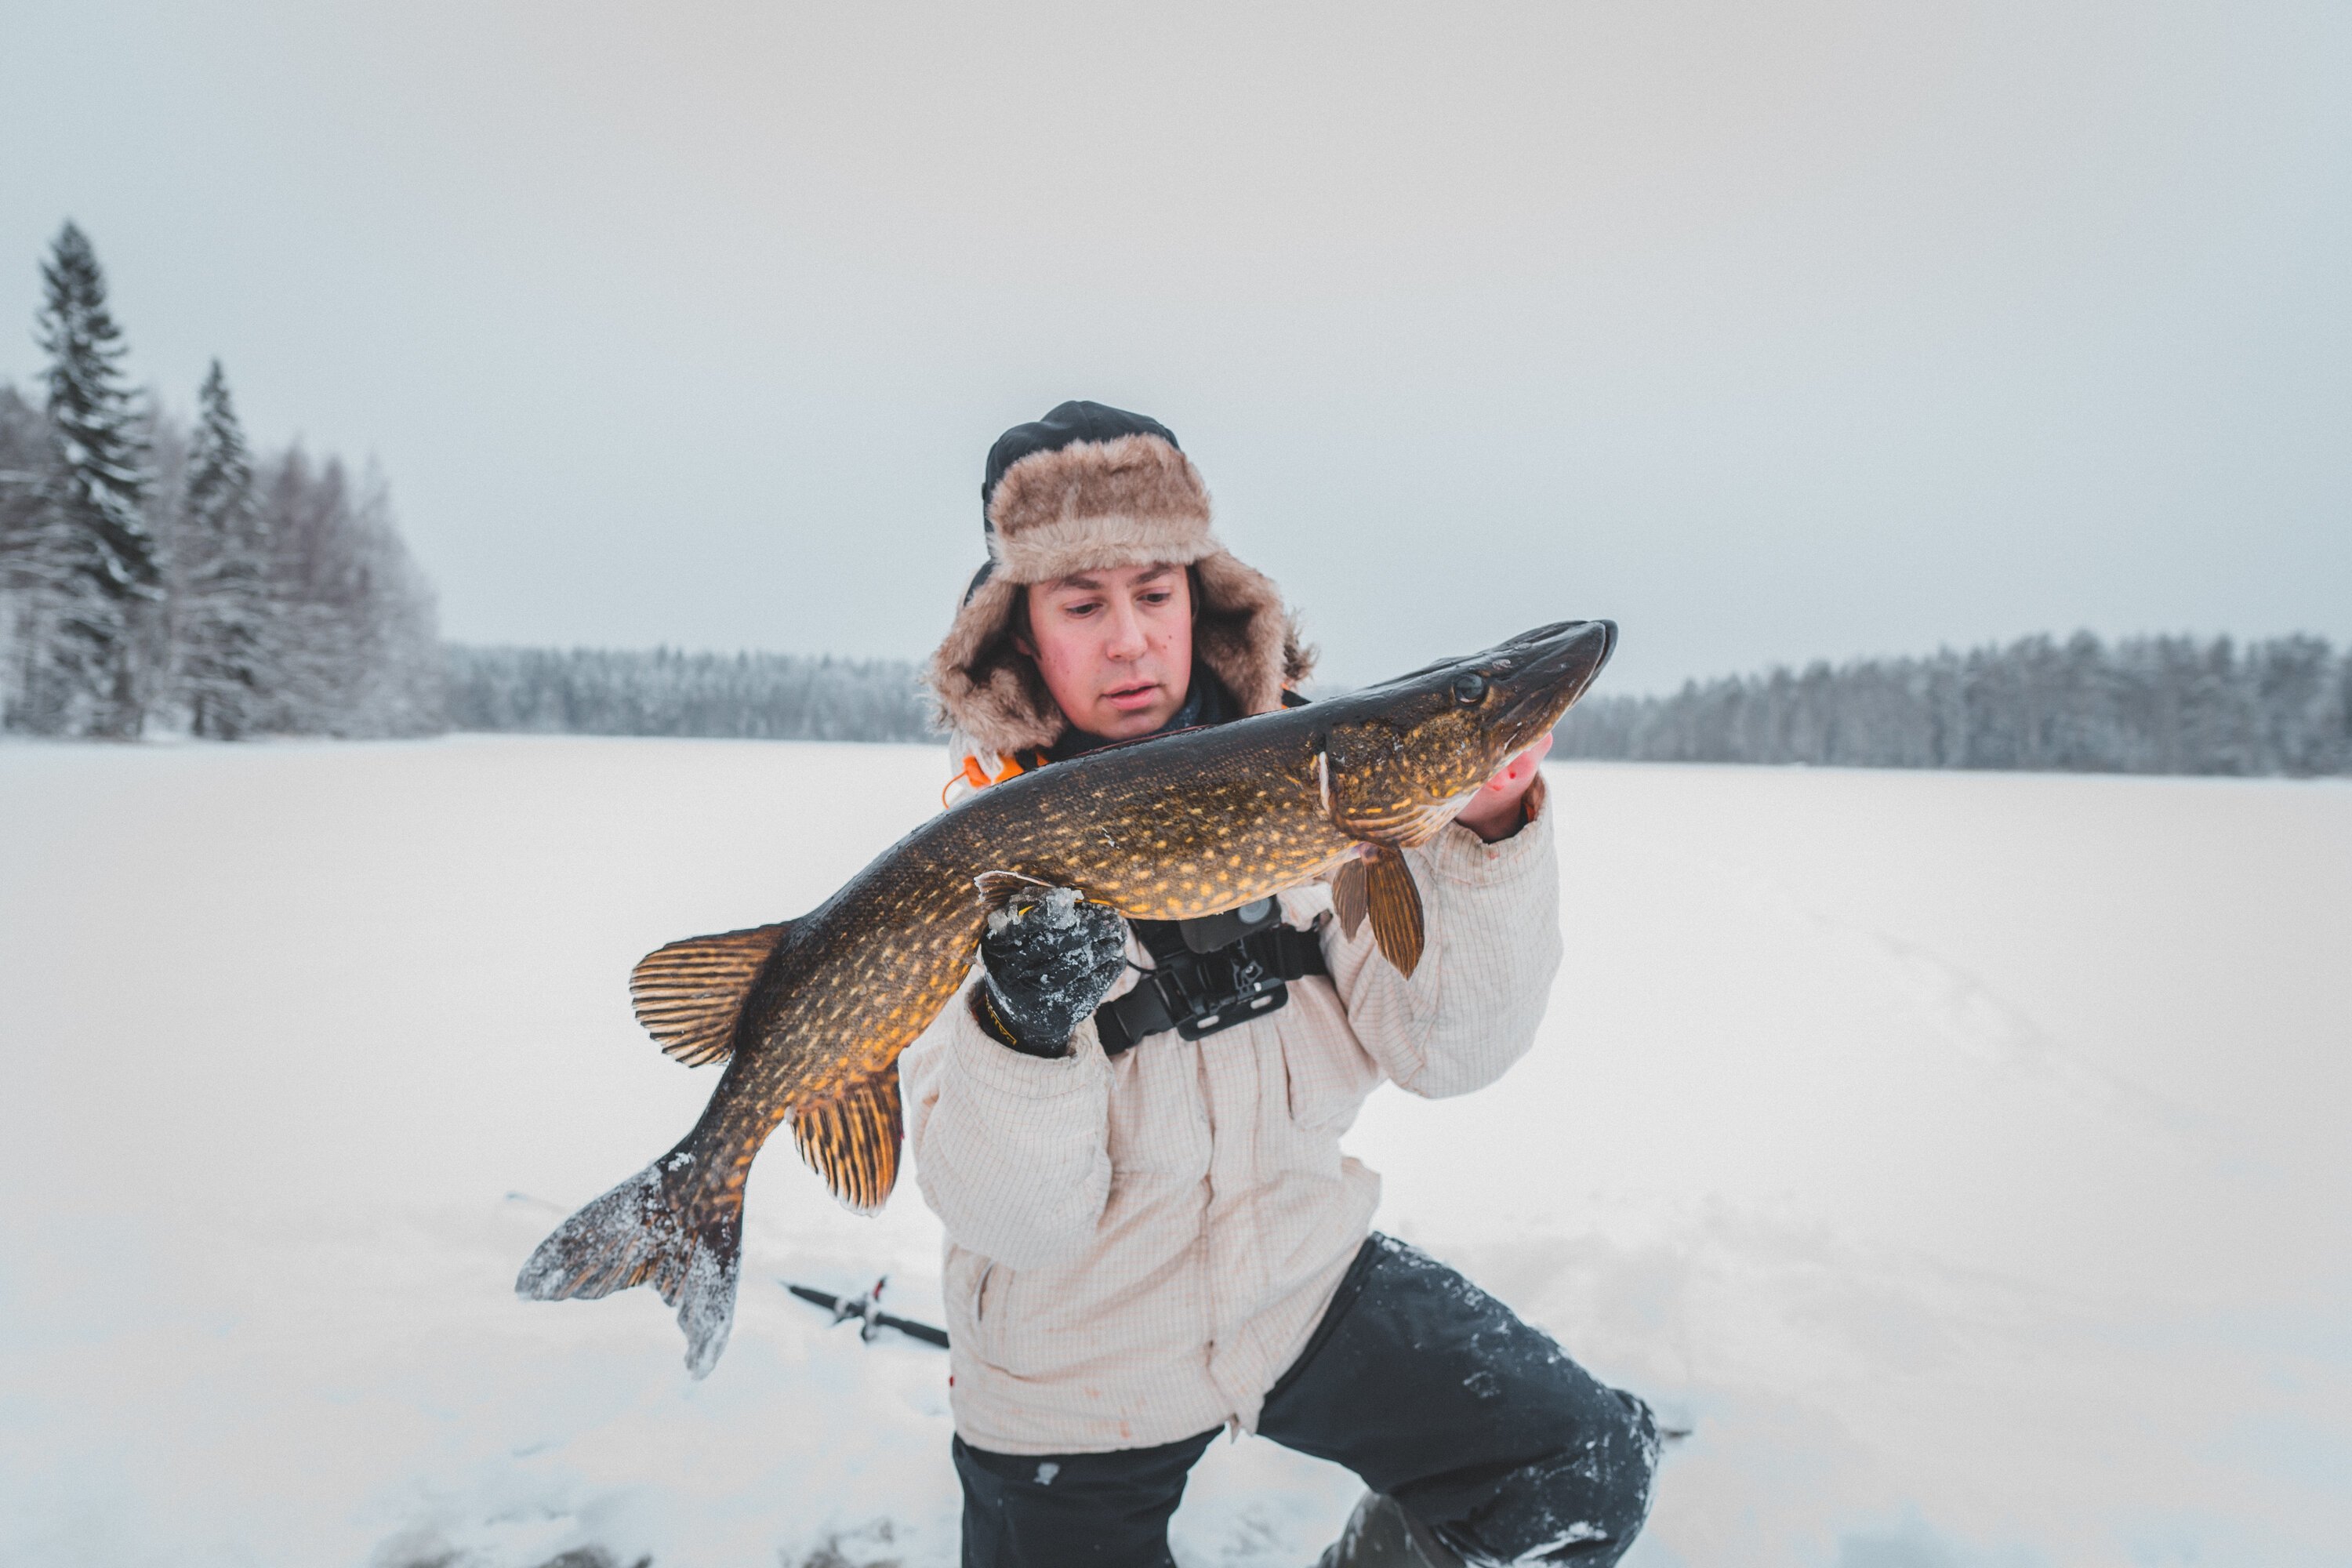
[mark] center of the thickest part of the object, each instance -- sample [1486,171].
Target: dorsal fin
[688,994]
[851,1139]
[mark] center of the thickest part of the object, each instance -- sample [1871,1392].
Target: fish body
[810,1015]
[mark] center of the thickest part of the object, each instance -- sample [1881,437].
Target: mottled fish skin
[1172,827]
[1181,827]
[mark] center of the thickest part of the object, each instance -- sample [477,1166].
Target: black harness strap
[1198,993]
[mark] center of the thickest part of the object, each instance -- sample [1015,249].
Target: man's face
[1115,646]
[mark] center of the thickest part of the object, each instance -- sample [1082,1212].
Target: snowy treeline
[749,696]
[2153,705]
[2141,705]
[160,574]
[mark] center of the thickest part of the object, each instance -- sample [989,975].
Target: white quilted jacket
[1139,1247]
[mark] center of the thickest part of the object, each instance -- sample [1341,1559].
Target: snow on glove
[1050,957]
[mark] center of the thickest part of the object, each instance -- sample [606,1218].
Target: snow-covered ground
[1964,1157]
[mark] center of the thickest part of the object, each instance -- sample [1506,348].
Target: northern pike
[810,1015]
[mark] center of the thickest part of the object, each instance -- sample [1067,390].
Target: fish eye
[1470,687]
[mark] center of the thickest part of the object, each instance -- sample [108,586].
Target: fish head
[1398,759]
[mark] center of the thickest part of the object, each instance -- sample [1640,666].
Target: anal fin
[689,993]
[852,1137]
[1395,902]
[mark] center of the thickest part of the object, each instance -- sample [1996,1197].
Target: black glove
[1050,957]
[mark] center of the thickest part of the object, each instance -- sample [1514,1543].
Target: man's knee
[1583,1503]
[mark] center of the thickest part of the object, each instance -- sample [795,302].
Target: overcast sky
[1773,332]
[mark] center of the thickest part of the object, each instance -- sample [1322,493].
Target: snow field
[1961,1155]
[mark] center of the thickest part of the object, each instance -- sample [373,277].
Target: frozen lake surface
[1964,1157]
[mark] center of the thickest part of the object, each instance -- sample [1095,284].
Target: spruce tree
[225,621]
[99,558]
[25,452]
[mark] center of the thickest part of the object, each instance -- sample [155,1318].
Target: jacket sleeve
[1012,1152]
[1491,927]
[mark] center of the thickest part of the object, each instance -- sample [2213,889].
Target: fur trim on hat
[996,702]
[989,692]
[1097,504]
[1089,506]
[1244,634]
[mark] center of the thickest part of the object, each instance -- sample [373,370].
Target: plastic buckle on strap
[1120,1022]
[1267,998]
[1198,993]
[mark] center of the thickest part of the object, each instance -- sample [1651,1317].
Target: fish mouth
[1543,672]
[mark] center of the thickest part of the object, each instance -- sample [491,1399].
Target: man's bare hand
[1496,811]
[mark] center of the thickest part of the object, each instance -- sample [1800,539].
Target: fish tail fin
[658,1228]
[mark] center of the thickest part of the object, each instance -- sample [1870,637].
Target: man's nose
[1126,639]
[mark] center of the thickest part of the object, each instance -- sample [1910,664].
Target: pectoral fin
[1395,905]
[689,993]
[997,887]
[852,1138]
[1349,900]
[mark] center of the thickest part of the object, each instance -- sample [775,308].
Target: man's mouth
[1127,699]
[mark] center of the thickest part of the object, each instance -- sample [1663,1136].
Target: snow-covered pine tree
[27,457]
[96,560]
[225,620]
[358,653]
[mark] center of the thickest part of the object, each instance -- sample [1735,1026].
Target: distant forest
[2144,705]
[2141,705]
[744,696]
[159,575]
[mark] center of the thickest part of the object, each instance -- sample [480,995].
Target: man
[1132,1143]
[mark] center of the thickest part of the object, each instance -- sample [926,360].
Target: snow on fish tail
[655,1228]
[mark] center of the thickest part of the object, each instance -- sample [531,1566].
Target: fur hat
[1085,488]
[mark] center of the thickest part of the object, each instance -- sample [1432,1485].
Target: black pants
[1420,1382]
